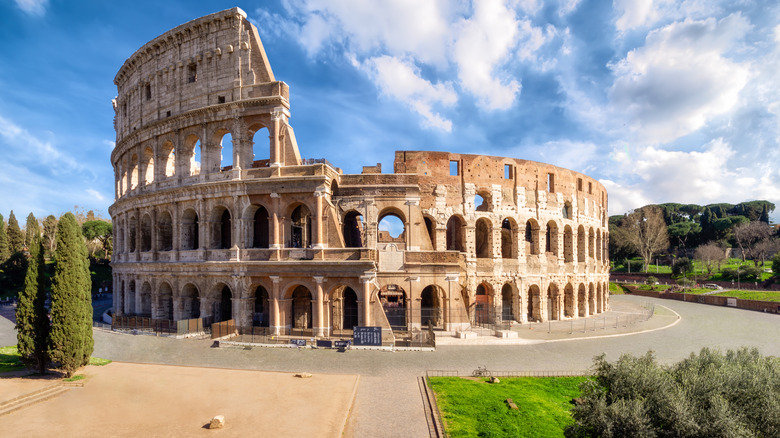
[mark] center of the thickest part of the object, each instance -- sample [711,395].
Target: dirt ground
[123,399]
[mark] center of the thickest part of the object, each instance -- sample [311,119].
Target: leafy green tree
[32,320]
[764,215]
[49,233]
[13,271]
[736,394]
[4,253]
[15,236]
[776,265]
[71,340]
[682,231]
[32,231]
[100,231]
[682,266]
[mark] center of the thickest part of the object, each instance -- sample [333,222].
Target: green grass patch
[98,361]
[616,289]
[751,295]
[476,408]
[75,378]
[10,359]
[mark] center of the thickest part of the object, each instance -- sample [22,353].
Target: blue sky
[662,101]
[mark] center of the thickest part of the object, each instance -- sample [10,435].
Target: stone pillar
[366,298]
[276,148]
[178,306]
[449,325]
[276,235]
[411,219]
[318,240]
[320,329]
[275,324]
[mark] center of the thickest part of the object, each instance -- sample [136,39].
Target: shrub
[682,266]
[776,265]
[746,273]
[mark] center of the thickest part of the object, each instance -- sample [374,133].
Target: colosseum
[217,216]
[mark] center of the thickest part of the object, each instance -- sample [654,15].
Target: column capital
[276,279]
[451,277]
[319,279]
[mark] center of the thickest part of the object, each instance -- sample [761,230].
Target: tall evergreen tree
[4,253]
[15,236]
[71,340]
[764,215]
[32,321]
[32,231]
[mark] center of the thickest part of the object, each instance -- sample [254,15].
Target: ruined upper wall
[216,59]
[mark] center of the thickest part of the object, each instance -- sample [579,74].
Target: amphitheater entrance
[260,318]
[190,302]
[534,304]
[393,299]
[223,309]
[301,309]
[483,305]
[350,312]
[430,307]
[507,311]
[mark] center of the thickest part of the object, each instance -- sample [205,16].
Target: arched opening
[430,227]
[132,226]
[591,243]
[301,308]
[531,237]
[582,301]
[221,230]
[189,230]
[507,298]
[551,238]
[483,231]
[534,303]
[553,302]
[392,230]
[300,227]
[598,245]
[131,298]
[581,244]
[226,152]
[591,300]
[190,302]
[224,307]
[483,304]
[164,302]
[430,307]
[508,242]
[456,237]
[165,232]
[568,245]
[193,149]
[168,159]
[134,172]
[568,301]
[353,230]
[393,299]
[260,229]
[148,160]
[261,146]
[350,309]
[482,201]
[261,315]
[146,300]
[146,233]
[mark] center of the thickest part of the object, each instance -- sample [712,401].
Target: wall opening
[260,229]
[353,229]
[455,234]
[454,168]
[301,308]
[261,315]
[483,239]
[189,230]
[550,182]
[165,232]
[391,229]
[226,157]
[300,227]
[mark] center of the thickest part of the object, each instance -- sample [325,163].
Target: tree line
[690,230]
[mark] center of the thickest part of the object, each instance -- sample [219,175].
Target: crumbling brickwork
[274,240]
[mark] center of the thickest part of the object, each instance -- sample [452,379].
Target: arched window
[349,309]
[133,172]
[301,308]
[591,243]
[224,307]
[261,315]
[192,148]
[551,240]
[168,159]
[531,237]
[190,302]
[132,230]
[165,232]
[581,239]
[164,302]
[226,151]
[430,307]
[508,243]
[455,234]
[300,227]
[148,161]
[391,229]
[260,229]
[353,229]
[568,245]
[483,239]
[223,238]
[507,298]
[261,145]
[430,227]
[568,301]
[534,303]
[190,230]
[146,233]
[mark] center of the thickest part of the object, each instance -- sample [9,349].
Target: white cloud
[95,194]
[31,149]
[634,13]
[681,78]
[110,143]
[569,154]
[33,7]
[400,80]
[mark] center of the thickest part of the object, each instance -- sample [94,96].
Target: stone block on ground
[217,422]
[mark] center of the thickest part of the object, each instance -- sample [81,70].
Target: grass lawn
[10,360]
[616,289]
[751,295]
[476,408]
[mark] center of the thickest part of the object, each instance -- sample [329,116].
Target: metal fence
[159,327]
[498,373]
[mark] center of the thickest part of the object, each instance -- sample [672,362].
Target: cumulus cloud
[681,77]
[33,7]
[400,80]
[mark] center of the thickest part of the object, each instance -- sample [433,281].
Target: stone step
[32,398]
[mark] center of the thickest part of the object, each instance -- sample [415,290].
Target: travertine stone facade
[274,240]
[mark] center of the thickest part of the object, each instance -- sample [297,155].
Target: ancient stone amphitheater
[218,217]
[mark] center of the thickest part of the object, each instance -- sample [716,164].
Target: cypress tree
[32,231]
[15,236]
[32,321]
[71,341]
[4,254]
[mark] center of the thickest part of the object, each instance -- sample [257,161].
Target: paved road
[388,401]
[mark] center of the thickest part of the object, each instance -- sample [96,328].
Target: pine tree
[15,236]
[71,341]
[764,215]
[32,231]
[4,253]
[32,321]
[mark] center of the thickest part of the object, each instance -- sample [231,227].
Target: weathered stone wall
[275,240]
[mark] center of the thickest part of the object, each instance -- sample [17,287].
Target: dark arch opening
[301,308]
[353,230]
[260,318]
[431,228]
[225,240]
[225,310]
[455,235]
[300,227]
[260,228]
[190,231]
[350,311]
[507,313]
